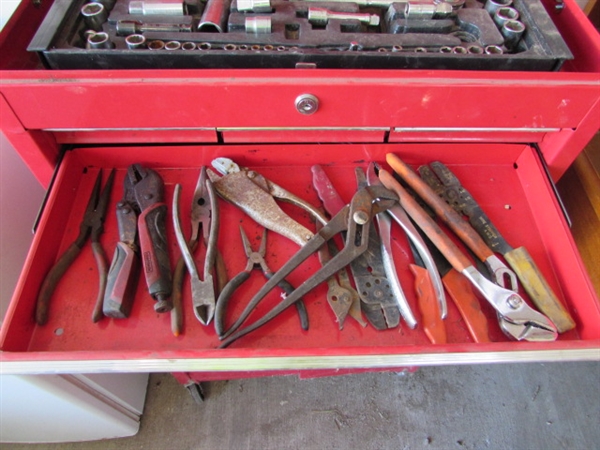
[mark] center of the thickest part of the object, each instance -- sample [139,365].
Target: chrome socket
[513,31]
[135,41]
[99,41]
[258,24]
[94,15]
[491,6]
[255,6]
[152,8]
[503,15]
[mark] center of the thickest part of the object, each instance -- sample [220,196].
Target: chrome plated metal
[154,7]
[94,15]
[258,24]
[517,318]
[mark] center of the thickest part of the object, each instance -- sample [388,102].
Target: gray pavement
[515,406]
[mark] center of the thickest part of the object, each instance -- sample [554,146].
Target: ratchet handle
[224,297]
[462,228]
[155,256]
[464,298]
[51,280]
[433,325]
[444,244]
[122,282]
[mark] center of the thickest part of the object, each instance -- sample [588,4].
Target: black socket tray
[466,40]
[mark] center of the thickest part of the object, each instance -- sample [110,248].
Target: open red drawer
[507,180]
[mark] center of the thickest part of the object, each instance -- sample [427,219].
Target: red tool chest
[485,126]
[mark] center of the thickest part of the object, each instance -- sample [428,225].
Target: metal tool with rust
[516,318]
[256,260]
[255,195]
[355,219]
[447,186]
[339,298]
[92,226]
[374,288]
[205,217]
[463,230]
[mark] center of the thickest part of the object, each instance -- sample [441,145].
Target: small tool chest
[430,82]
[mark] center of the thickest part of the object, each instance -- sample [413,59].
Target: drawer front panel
[217,99]
[506,179]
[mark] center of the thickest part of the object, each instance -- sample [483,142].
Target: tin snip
[355,219]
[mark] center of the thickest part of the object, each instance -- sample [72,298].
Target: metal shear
[205,216]
[92,226]
[517,319]
[356,220]
[256,260]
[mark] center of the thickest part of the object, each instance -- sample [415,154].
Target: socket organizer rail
[419,34]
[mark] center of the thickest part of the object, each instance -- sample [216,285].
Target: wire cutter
[205,217]
[91,226]
[256,260]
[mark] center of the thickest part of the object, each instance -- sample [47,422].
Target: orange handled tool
[433,325]
[516,318]
[466,233]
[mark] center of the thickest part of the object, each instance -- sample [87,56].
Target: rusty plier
[205,217]
[91,227]
[356,220]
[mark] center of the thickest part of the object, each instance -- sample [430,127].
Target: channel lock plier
[447,186]
[376,289]
[517,319]
[142,212]
[91,226]
[205,217]
[356,220]
[256,260]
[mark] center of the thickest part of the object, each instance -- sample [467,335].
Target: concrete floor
[525,406]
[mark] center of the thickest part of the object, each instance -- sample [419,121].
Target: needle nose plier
[91,226]
[256,260]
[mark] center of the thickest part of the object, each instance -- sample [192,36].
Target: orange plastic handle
[433,325]
[448,248]
[464,298]
[461,227]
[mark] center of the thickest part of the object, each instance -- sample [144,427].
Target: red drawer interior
[507,180]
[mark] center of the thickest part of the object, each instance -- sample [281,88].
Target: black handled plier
[256,260]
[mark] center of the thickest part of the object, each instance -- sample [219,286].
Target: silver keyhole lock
[307,104]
